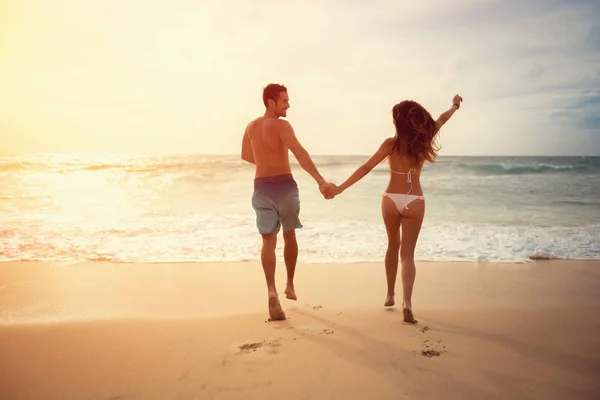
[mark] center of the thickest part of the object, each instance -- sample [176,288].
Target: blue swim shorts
[276,201]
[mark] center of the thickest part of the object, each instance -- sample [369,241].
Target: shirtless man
[276,198]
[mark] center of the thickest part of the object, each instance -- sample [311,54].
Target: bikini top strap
[408,174]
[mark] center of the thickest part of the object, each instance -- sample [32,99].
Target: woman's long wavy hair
[416,132]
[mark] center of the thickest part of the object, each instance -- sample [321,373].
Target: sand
[199,331]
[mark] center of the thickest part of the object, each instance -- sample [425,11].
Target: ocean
[197,208]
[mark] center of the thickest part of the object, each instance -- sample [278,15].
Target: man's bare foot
[275,311]
[408,315]
[389,301]
[290,293]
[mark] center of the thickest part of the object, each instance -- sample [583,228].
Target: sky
[186,76]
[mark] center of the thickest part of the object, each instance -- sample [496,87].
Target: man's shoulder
[270,124]
[276,122]
[277,125]
[282,125]
[253,122]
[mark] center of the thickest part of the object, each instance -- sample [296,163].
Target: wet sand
[201,331]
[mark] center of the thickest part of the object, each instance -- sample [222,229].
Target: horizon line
[2,153]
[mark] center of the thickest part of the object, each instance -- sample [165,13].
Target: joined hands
[329,190]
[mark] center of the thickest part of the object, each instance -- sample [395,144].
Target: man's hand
[333,191]
[325,189]
[329,190]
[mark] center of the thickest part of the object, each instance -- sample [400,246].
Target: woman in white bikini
[403,204]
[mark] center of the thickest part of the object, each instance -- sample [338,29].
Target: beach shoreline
[159,208]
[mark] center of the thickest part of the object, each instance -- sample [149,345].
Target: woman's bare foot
[290,293]
[389,301]
[275,311]
[408,315]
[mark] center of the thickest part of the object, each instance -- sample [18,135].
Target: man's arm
[380,155]
[247,154]
[445,116]
[289,139]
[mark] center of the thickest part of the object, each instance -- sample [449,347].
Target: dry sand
[103,331]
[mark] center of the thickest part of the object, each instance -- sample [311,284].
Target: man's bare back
[271,155]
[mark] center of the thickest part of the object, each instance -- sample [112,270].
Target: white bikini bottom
[403,200]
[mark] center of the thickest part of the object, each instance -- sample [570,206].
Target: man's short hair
[271,92]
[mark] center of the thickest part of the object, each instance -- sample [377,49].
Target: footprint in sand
[428,348]
[430,353]
[249,348]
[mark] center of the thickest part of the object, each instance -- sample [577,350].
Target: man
[266,144]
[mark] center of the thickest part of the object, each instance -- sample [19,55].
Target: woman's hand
[457,100]
[332,191]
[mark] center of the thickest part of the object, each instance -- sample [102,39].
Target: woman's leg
[392,220]
[412,219]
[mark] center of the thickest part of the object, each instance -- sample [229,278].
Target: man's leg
[290,255]
[289,211]
[268,260]
[267,221]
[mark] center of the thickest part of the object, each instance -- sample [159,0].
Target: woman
[403,204]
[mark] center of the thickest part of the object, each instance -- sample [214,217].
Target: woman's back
[413,144]
[404,175]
